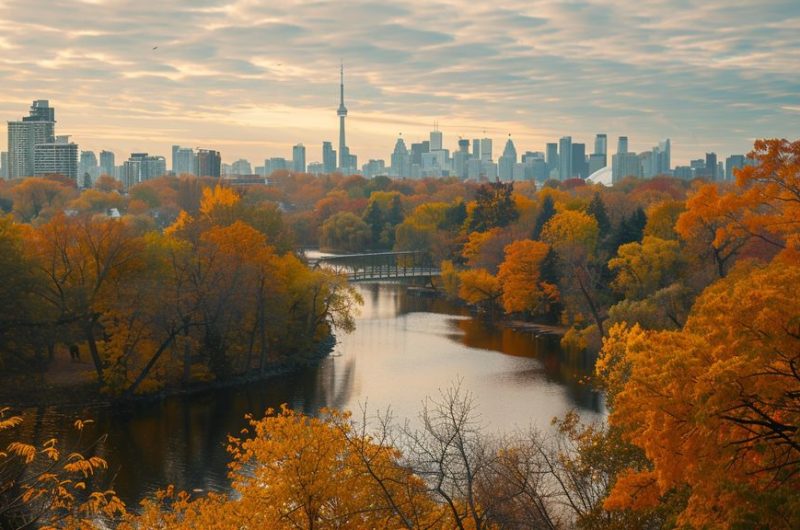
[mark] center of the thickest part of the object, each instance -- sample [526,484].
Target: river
[407,346]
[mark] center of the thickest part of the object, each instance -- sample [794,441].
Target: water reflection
[406,347]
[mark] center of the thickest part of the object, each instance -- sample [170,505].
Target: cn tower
[344,155]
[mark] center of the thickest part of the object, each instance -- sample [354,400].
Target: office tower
[476,148]
[622,144]
[486,149]
[731,163]
[373,168]
[344,159]
[579,166]
[507,162]
[565,158]
[183,161]
[241,167]
[551,158]
[315,168]
[207,163]
[683,172]
[436,140]
[463,145]
[711,166]
[107,163]
[601,144]
[328,157]
[4,164]
[299,158]
[417,150]
[401,162]
[59,157]
[275,163]
[665,159]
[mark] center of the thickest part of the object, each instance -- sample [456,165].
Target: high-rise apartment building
[299,158]
[183,162]
[4,164]
[565,158]
[23,136]
[436,140]
[601,144]
[551,158]
[207,163]
[59,157]
[733,162]
[622,144]
[624,164]
[107,163]
[241,167]
[711,166]
[579,166]
[141,167]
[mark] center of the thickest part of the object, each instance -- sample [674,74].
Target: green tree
[545,214]
[494,207]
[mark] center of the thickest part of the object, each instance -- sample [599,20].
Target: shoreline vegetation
[684,288]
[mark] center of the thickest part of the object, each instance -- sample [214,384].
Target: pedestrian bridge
[375,266]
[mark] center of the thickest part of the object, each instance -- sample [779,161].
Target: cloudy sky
[251,78]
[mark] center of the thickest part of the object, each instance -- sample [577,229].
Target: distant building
[507,161]
[183,162]
[711,166]
[4,164]
[623,165]
[23,136]
[373,168]
[344,151]
[207,163]
[622,144]
[328,157]
[315,168]
[596,162]
[275,164]
[299,158]
[141,167]
[88,166]
[59,157]
[733,162]
[436,140]
[579,166]
[565,158]
[107,163]
[486,149]
[601,144]
[683,172]
[551,158]
[401,162]
[241,167]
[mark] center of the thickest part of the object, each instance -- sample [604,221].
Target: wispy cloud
[253,77]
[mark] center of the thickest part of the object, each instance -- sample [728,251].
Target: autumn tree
[715,405]
[643,268]
[546,212]
[494,207]
[345,232]
[520,277]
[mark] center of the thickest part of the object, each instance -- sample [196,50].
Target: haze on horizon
[251,79]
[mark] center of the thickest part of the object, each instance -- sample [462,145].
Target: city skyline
[253,81]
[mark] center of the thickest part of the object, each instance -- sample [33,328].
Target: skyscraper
[507,161]
[4,164]
[344,158]
[23,136]
[207,163]
[551,158]
[88,165]
[622,144]
[401,162]
[731,163]
[182,160]
[328,158]
[436,139]
[565,158]
[711,166]
[299,158]
[601,144]
[486,149]
[579,166]
[107,163]
[241,167]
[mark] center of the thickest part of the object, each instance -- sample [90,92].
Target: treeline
[213,296]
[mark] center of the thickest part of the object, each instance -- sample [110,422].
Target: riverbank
[71,383]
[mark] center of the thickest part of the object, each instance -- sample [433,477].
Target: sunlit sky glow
[251,78]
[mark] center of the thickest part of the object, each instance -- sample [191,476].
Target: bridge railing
[381,265]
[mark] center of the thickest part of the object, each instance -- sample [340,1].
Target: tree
[520,277]
[345,232]
[494,207]
[38,196]
[716,405]
[373,216]
[661,219]
[643,268]
[546,213]
[478,287]
[597,209]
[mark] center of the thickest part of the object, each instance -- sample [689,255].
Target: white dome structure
[601,176]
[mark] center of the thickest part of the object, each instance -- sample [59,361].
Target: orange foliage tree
[520,277]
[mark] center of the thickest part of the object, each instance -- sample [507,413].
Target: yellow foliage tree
[643,268]
[520,277]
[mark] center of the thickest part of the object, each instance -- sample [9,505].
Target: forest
[686,291]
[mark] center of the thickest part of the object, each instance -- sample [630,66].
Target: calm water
[406,347]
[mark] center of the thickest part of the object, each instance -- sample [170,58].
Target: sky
[252,78]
